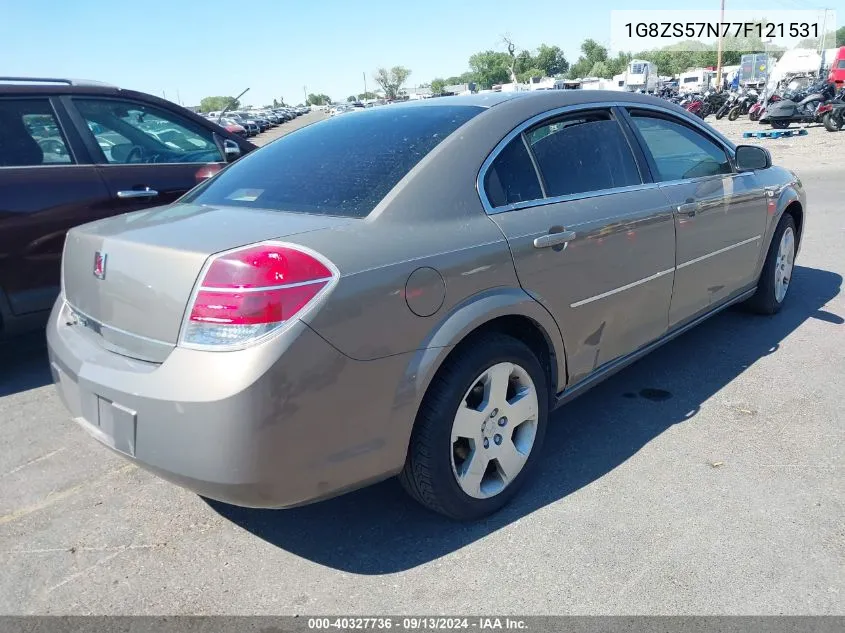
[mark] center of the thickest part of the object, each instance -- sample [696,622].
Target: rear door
[148,155]
[47,186]
[720,215]
[591,239]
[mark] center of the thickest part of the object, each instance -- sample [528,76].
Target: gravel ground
[724,498]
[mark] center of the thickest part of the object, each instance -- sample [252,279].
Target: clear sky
[188,49]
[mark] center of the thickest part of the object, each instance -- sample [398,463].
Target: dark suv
[72,152]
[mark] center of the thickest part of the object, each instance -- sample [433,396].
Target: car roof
[550,99]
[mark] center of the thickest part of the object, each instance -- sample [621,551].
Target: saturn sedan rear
[410,291]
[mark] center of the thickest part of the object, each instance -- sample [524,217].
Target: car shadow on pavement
[24,364]
[379,530]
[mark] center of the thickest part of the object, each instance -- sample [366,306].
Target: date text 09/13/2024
[416,623]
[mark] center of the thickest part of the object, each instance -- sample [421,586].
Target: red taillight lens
[248,293]
[264,266]
[825,108]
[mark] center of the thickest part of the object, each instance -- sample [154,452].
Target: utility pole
[305,93]
[365,85]
[823,38]
[719,54]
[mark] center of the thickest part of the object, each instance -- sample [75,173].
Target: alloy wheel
[493,430]
[784,263]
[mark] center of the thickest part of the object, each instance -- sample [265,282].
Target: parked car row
[248,123]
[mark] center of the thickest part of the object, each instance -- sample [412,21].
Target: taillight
[248,293]
[825,108]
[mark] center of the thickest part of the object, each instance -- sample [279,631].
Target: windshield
[341,166]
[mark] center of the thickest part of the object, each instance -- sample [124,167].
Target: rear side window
[511,178]
[342,166]
[583,153]
[30,134]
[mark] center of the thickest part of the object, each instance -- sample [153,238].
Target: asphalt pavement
[705,479]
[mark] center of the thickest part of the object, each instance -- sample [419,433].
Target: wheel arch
[510,311]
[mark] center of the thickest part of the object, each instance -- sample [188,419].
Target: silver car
[410,291]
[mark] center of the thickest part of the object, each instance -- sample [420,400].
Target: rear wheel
[831,123]
[780,124]
[754,115]
[777,270]
[733,115]
[479,429]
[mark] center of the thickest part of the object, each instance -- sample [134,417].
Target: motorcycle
[832,113]
[804,110]
[694,104]
[742,105]
[727,105]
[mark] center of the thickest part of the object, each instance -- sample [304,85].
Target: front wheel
[733,115]
[777,270]
[754,115]
[831,123]
[479,430]
[780,124]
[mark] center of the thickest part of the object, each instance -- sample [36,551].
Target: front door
[591,241]
[148,155]
[720,215]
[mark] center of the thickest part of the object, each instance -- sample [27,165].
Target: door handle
[554,239]
[137,193]
[689,209]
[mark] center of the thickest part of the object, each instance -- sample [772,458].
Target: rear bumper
[281,424]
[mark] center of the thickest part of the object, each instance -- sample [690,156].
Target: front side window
[30,134]
[341,166]
[680,152]
[582,153]
[130,132]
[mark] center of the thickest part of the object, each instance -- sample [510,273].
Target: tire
[435,457]
[754,115]
[780,124]
[831,123]
[766,300]
[733,115]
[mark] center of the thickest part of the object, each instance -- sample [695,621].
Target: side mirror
[231,150]
[752,157]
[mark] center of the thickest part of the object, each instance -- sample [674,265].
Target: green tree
[464,78]
[391,81]
[437,86]
[592,52]
[840,36]
[619,64]
[551,60]
[351,99]
[320,99]
[526,75]
[491,67]
[524,62]
[367,95]
[213,104]
[600,69]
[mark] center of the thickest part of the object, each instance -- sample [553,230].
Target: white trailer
[641,75]
[697,80]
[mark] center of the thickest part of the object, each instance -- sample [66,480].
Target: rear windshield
[342,166]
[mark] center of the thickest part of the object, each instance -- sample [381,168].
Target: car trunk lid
[129,278]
